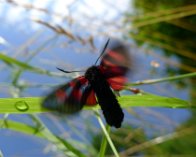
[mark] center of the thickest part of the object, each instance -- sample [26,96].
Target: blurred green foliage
[173,36]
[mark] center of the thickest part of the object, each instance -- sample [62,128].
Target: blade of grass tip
[25,66]
[14,61]
[104,143]
[1,154]
[106,134]
[71,147]
[21,127]
[4,120]
[153,81]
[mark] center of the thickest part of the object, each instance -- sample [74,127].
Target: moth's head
[92,73]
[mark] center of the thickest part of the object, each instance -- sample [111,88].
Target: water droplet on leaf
[21,106]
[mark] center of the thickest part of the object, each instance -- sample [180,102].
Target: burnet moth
[97,85]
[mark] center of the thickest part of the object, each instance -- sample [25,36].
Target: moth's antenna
[102,52]
[65,71]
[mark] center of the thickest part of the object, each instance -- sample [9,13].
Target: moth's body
[105,96]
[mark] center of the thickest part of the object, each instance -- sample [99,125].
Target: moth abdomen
[105,96]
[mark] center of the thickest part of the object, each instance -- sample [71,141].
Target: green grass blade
[39,131]
[71,148]
[106,134]
[104,143]
[12,61]
[33,104]
[20,127]
[166,79]
[21,105]
[150,100]
[42,132]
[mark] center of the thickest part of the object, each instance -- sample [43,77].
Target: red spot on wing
[77,85]
[116,56]
[61,95]
[115,77]
[72,83]
[77,94]
[113,58]
[91,99]
[115,65]
[117,83]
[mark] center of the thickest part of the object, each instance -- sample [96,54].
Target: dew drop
[21,106]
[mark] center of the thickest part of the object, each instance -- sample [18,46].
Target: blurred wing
[71,97]
[115,64]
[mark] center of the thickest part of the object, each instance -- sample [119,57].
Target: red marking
[82,80]
[113,71]
[117,83]
[76,94]
[72,83]
[61,95]
[116,56]
[91,100]
[107,63]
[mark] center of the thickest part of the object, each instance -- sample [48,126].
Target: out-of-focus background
[70,34]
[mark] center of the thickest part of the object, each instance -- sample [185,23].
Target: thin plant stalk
[106,134]
[153,81]
[104,143]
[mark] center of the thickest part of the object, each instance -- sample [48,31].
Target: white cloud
[3,41]
[15,15]
[98,10]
